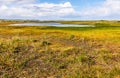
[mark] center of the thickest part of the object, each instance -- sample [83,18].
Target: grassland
[60,52]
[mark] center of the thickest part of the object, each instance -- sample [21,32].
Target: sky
[60,9]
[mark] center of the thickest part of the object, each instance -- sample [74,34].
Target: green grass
[60,52]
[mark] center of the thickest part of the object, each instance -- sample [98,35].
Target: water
[51,24]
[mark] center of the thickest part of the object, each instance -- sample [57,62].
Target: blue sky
[60,9]
[79,3]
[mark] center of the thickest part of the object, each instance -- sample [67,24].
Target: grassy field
[60,52]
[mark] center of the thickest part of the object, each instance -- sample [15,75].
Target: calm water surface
[51,24]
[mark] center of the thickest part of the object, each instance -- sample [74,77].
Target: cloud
[31,9]
[109,8]
[11,2]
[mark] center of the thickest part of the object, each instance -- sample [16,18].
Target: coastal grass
[60,52]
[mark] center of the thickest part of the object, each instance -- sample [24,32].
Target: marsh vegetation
[60,52]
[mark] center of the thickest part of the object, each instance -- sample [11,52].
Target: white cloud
[29,9]
[107,9]
[12,2]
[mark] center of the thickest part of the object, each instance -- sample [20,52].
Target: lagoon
[51,24]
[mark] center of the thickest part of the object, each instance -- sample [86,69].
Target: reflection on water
[51,24]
